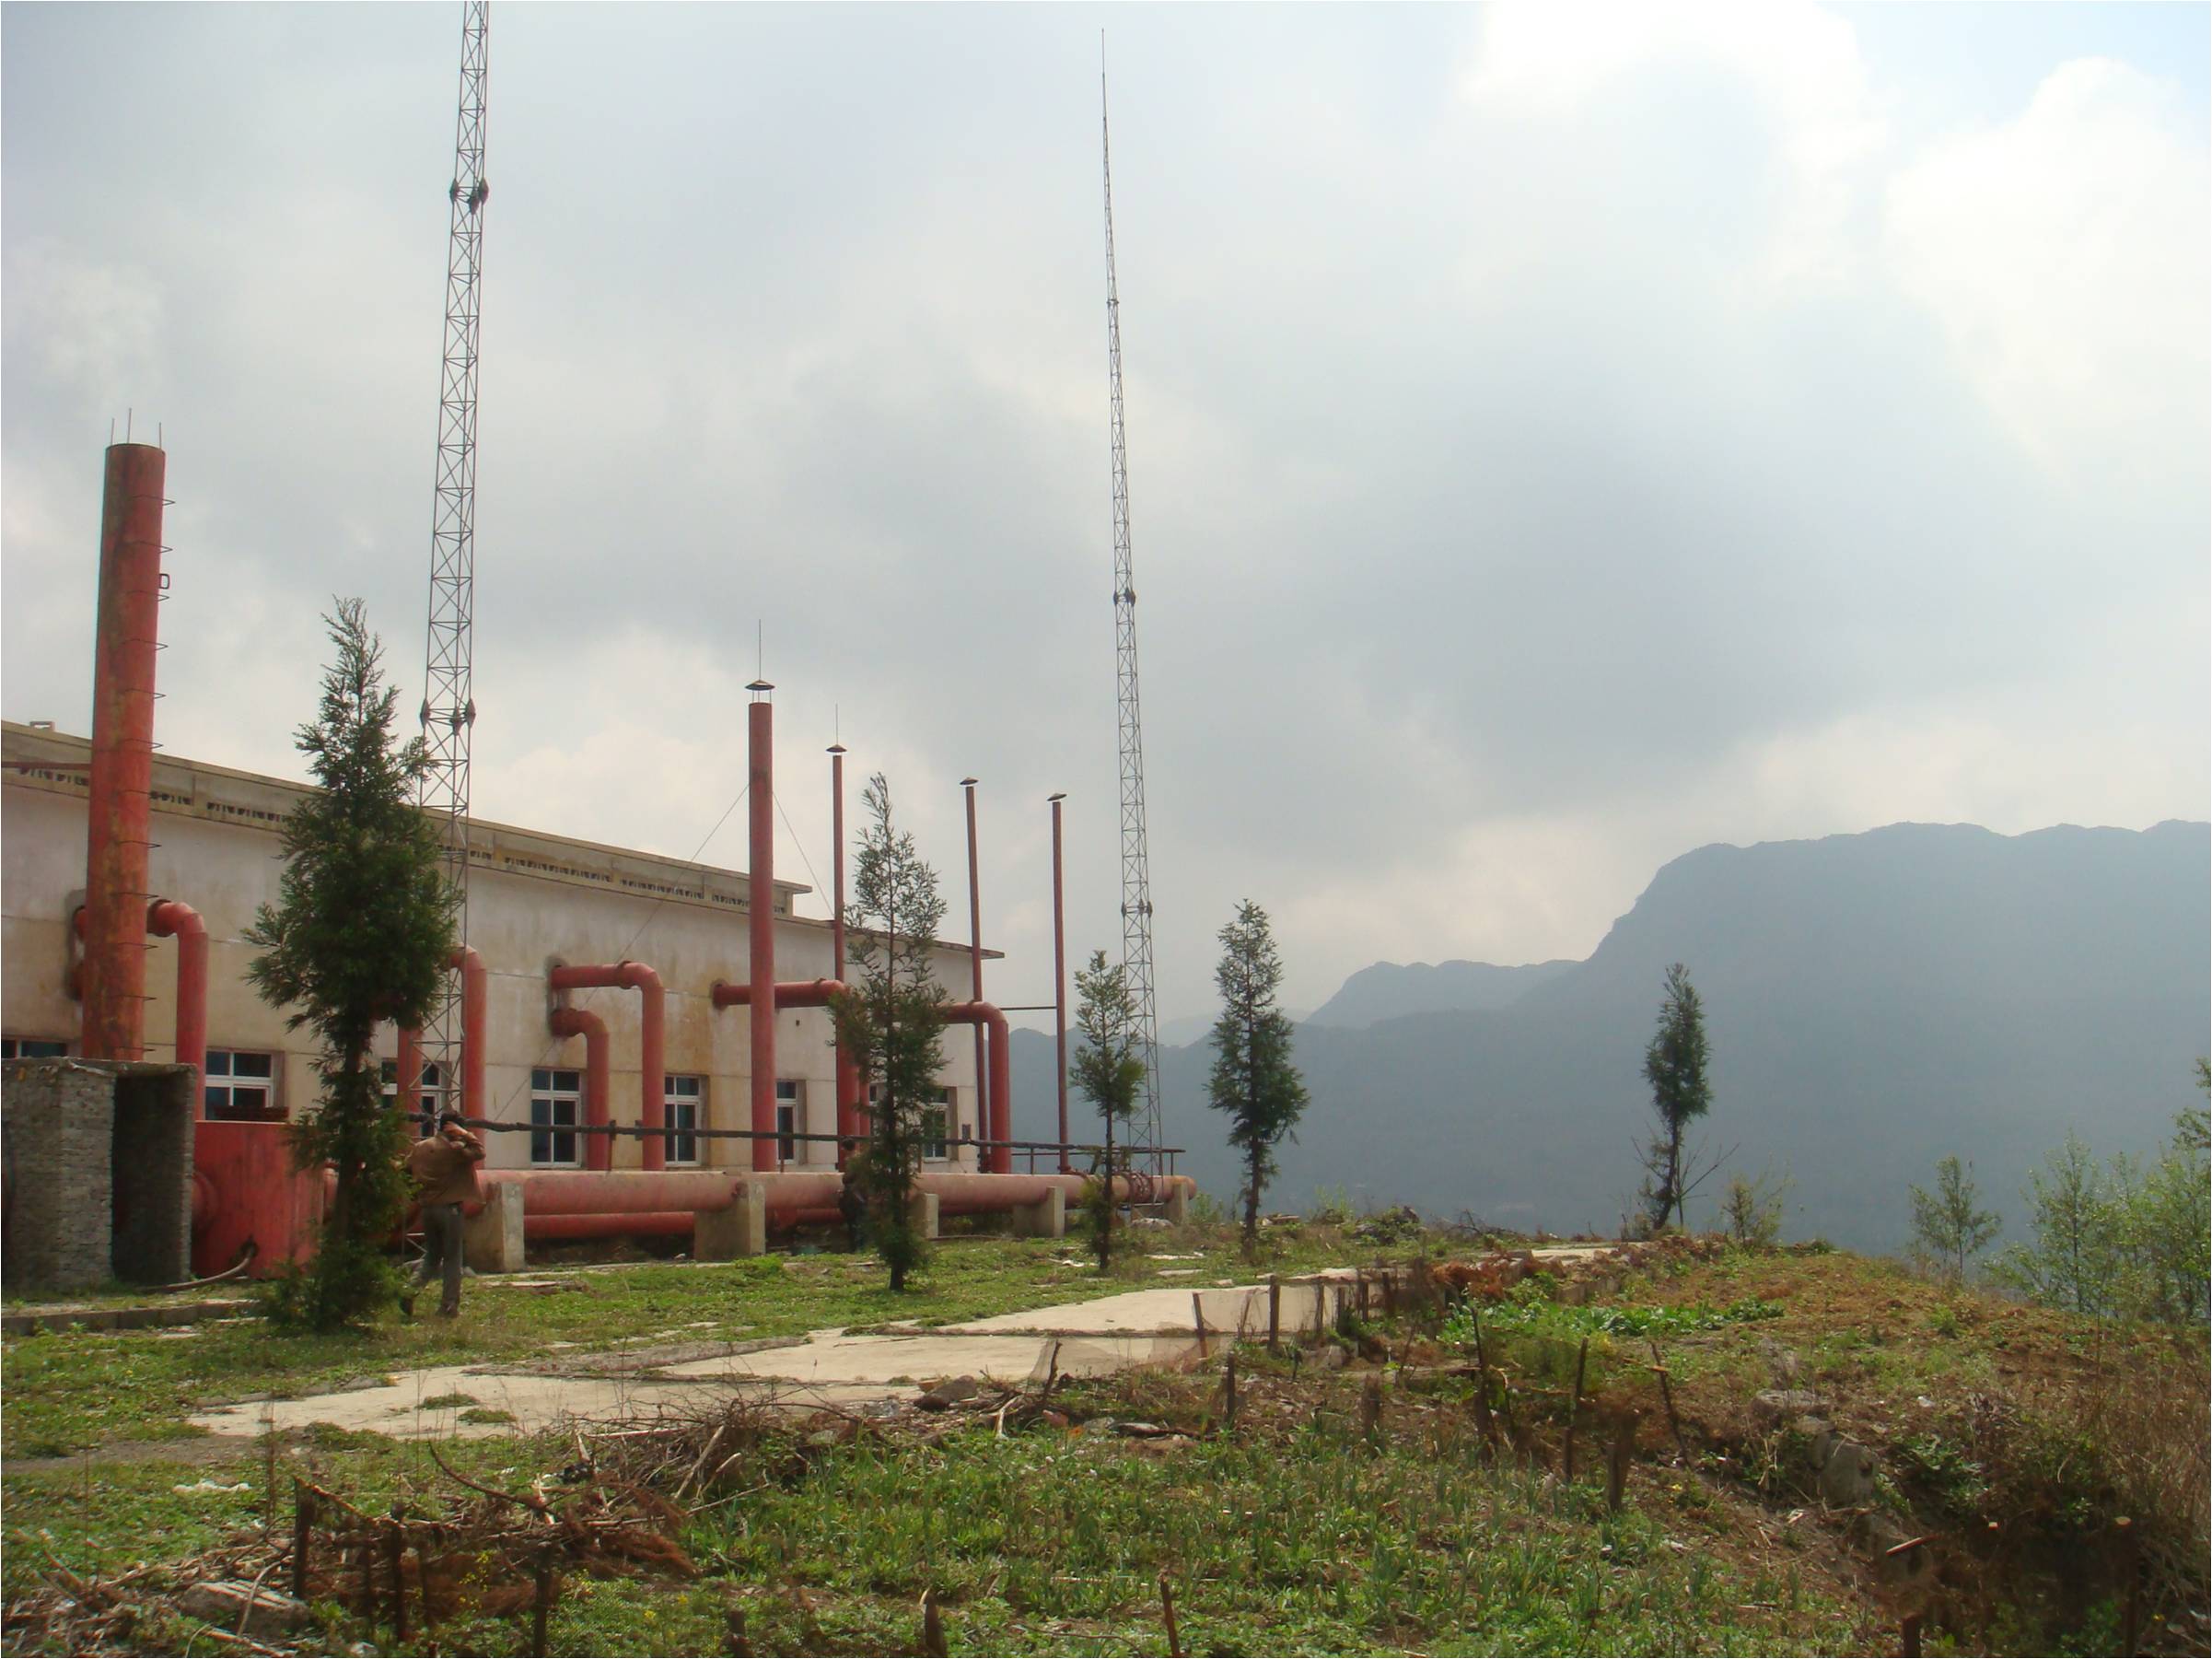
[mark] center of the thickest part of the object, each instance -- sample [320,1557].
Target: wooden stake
[1908,1636]
[1228,1391]
[1275,1312]
[303,1537]
[542,1603]
[1667,1394]
[2131,1618]
[735,1641]
[395,1549]
[1616,1473]
[1574,1409]
[933,1626]
[1198,1321]
[1166,1605]
[1371,1406]
[365,1598]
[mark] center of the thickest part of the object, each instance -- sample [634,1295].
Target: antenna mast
[449,700]
[1136,874]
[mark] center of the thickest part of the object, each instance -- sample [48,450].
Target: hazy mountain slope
[1874,1002]
[1390,989]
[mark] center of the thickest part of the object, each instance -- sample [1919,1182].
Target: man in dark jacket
[444,1167]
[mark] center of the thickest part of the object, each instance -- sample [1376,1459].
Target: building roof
[57,763]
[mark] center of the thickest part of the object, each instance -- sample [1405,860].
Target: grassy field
[2012,1439]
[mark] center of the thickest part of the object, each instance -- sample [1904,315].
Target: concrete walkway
[850,1369]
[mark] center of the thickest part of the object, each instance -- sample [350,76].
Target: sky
[1560,436]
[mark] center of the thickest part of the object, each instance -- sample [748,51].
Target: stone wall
[57,1126]
[153,1174]
[98,1172]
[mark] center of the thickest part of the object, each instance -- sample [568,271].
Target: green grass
[69,1390]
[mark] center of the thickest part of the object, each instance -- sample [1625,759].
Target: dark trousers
[441,1250]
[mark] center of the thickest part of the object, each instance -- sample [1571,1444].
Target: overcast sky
[1559,437]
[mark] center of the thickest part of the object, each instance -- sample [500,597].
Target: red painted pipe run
[166,918]
[652,1030]
[804,993]
[121,779]
[998,1098]
[599,1150]
[474,1099]
[761,915]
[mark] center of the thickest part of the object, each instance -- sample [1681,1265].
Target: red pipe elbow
[599,1150]
[652,1034]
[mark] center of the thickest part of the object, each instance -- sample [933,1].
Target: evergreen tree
[1110,1070]
[1675,1065]
[1253,1081]
[360,934]
[2078,1211]
[1947,1224]
[891,1021]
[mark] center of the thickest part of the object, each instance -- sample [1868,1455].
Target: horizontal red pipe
[651,1029]
[807,993]
[648,1223]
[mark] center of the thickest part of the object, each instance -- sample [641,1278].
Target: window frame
[550,1129]
[49,1048]
[681,1111]
[224,1078]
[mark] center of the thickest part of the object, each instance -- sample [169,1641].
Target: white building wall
[533,899]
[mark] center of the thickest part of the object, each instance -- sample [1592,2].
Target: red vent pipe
[849,1075]
[998,1098]
[165,918]
[599,1150]
[121,774]
[651,1026]
[805,993]
[473,1099]
[760,859]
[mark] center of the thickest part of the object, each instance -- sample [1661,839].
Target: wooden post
[365,1596]
[1370,1406]
[541,1601]
[395,1550]
[1228,1391]
[735,1641]
[1320,1307]
[1908,1636]
[1390,1292]
[1198,1321]
[1574,1409]
[933,1625]
[2131,1597]
[1667,1394]
[1616,1473]
[1166,1605]
[303,1536]
[1275,1312]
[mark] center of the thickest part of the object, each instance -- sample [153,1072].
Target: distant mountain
[1875,1001]
[1387,990]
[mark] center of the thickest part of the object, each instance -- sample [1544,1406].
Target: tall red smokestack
[849,1127]
[117,835]
[761,898]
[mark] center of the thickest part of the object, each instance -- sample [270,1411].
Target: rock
[1052,1419]
[224,1601]
[1571,1294]
[949,1394]
[1778,1406]
[1329,1357]
[1847,1477]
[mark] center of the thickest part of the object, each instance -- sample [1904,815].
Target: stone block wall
[57,1133]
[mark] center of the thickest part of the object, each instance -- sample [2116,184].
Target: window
[790,1115]
[680,1098]
[936,1120]
[32,1048]
[242,1087]
[425,1103]
[553,1099]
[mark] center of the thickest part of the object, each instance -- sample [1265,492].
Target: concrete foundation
[737,1227]
[1047,1217]
[922,1212]
[1175,1207]
[492,1241]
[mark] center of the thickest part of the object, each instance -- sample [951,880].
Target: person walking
[444,1167]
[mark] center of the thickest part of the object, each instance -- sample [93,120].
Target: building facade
[535,900]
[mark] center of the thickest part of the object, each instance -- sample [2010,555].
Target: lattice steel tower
[1136,870]
[449,694]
